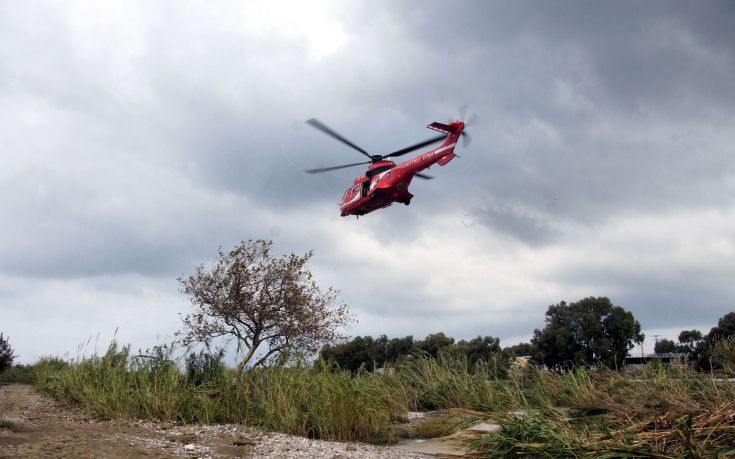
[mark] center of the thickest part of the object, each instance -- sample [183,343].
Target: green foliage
[665,412]
[722,332]
[443,422]
[449,382]
[480,349]
[725,328]
[369,353]
[591,331]
[688,340]
[664,346]
[7,355]
[365,352]
[206,368]
[722,354]
[519,350]
[49,365]
[8,424]
[434,343]
[534,435]
[316,402]
[18,374]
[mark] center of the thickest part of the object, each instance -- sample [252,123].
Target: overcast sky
[138,137]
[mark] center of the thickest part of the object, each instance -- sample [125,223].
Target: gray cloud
[137,139]
[515,223]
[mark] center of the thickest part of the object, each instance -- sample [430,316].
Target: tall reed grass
[319,402]
[664,412]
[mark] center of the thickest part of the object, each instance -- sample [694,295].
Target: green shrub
[8,424]
[18,374]
[205,368]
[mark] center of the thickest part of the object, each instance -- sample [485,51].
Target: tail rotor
[466,139]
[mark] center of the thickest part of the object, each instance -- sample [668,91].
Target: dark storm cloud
[613,106]
[638,52]
[515,223]
[665,298]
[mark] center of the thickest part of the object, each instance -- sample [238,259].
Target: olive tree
[270,305]
[589,332]
[664,346]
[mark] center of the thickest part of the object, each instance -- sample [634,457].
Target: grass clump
[442,423]
[667,412]
[448,382]
[318,403]
[8,424]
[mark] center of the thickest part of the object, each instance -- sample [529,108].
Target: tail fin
[452,130]
[441,127]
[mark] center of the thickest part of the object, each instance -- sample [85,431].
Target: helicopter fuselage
[386,182]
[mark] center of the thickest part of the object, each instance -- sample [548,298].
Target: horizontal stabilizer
[446,159]
[441,127]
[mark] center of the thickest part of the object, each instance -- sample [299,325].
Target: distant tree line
[711,351]
[591,331]
[370,353]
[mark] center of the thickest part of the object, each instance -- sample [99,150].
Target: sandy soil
[46,429]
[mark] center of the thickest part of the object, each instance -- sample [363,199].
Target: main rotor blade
[424,176]
[334,168]
[327,130]
[415,147]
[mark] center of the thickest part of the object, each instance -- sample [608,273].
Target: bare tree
[261,301]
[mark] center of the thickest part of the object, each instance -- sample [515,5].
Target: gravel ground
[233,440]
[47,429]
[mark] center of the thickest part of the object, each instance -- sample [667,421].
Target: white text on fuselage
[422,158]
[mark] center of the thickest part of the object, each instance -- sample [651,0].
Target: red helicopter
[385,182]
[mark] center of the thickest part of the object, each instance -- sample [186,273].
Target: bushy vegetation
[370,353]
[664,412]
[17,374]
[320,402]
[591,331]
[7,354]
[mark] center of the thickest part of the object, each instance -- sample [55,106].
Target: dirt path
[46,429]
